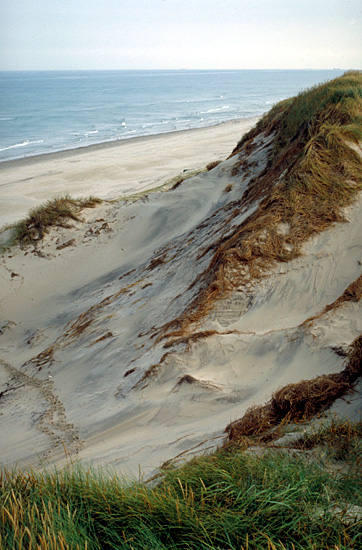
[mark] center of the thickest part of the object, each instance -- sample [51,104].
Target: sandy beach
[115,169]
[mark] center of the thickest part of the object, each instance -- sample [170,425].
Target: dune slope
[138,334]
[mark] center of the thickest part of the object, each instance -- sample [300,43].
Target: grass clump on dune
[314,168]
[53,212]
[298,402]
[342,439]
[230,500]
[337,102]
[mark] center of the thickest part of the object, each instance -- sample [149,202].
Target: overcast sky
[174,34]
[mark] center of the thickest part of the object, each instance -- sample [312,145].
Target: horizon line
[181,70]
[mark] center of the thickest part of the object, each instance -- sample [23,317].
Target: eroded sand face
[81,358]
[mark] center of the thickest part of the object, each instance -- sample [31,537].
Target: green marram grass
[337,102]
[340,439]
[315,138]
[54,212]
[231,500]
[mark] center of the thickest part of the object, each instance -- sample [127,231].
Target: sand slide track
[53,422]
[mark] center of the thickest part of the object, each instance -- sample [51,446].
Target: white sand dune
[82,361]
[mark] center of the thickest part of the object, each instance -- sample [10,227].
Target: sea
[48,111]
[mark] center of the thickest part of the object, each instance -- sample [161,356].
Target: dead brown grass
[46,357]
[84,320]
[298,402]
[228,188]
[105,336]
[189,339]
[353,293]
[310,178]
[81,324]
[155,262]
[212,165]
[150,373]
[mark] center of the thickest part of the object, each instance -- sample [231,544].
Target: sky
[180,34]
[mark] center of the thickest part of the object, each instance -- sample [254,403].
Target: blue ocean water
[48,111]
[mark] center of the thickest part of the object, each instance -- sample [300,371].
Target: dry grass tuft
[300,401]
[155,262]
[149,373]
[189,338]
[353,293]
[54,212]
[213,165]
[308,397]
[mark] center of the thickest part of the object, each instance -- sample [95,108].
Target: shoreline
[113,169]
[115,143]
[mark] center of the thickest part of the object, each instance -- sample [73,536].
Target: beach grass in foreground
[232,500]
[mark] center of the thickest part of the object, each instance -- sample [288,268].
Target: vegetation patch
[230,500]
[353,293]
[52,213]
[342,439]
[213,165]
[314,171]
[298,402]
[178,180]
